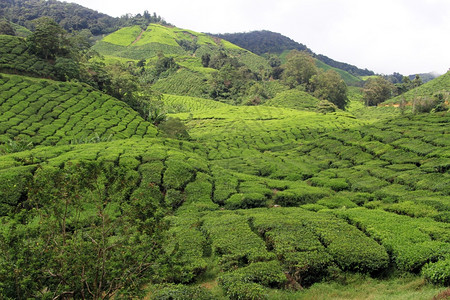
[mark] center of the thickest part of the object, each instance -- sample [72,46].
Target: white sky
[386,36]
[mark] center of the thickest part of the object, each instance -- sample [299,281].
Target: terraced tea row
[48,113]
[14,57]
[135,43]
[260,128]
[288,245]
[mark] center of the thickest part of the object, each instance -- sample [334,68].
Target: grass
[347,77]
[357,287]
[438,85]
[123,37]
[294,99]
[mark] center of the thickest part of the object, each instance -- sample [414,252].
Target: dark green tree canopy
[6,28]
[299,69]
[377,90]
[330,86]
[49,40]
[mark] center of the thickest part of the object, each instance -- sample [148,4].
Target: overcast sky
[386,36]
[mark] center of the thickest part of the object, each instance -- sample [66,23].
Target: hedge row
[410,242]
[48,113]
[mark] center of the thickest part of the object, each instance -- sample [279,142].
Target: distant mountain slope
[438,85]
[264,41]
[48,112]
[134,43]
[70,16]
[425,77]
[344,66]
[261,42]
[348,77]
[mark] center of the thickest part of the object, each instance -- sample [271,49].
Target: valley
[172,164]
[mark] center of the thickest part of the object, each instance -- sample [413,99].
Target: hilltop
[262,42]
[439,85]
[71,16]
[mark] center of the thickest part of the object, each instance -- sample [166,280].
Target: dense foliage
[262,42]
[123,180]
[70,16]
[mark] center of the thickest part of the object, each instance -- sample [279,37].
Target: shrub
[300,195]
[177,174]
[234,241]
[336,202]
[336,184]
[250,200]
[408,240]
[181,292]
[269,274]
[237,288]
[13,186]
[438,272]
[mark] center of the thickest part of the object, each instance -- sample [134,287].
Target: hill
[188,46]
[255,193]
[71,16]
[15,57]
[264,41]
[439,85]
[261,42]
[344,188]
[46,112]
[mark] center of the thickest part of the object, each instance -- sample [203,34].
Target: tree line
[71,16]
[266,42]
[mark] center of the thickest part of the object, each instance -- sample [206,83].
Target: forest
[139,160]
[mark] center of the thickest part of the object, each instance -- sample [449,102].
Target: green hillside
[209,172]
[135,43]
[294,99]
[14,57]
[180,104]
[439,85]
[348,78]
[48,113]
[343,188]
[264,41]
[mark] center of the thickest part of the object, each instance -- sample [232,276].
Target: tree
[79,237]
[174,128]
[298,69]
[417,81]
[6,28]
[377,90]
[49,39]
[230,83]
[206,58]
[330,86]
[66,69]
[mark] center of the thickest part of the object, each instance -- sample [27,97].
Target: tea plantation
[49,113]
[264,201]
[261,200]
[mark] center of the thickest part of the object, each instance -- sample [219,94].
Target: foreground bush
[438,272]
[181,292]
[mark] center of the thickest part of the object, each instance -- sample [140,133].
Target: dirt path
[138,38]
